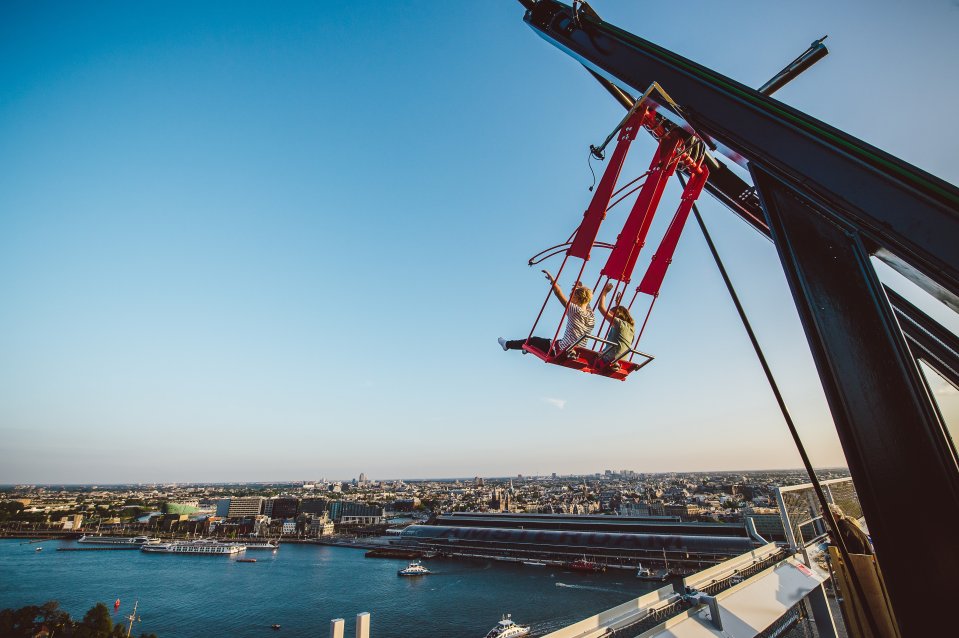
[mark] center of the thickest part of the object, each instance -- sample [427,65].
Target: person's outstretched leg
[517,344]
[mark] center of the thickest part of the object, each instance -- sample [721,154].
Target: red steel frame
[622,260]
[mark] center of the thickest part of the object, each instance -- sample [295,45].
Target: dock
[97,549]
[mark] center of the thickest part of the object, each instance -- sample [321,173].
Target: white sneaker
[502,343]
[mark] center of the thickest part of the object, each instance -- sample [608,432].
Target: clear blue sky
[242,241]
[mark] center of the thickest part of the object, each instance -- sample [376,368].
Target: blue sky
[252,242]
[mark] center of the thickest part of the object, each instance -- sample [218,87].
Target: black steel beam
[893,204]
[893,436]
[929,341]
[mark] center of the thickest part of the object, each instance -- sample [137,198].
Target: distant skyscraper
[362,477]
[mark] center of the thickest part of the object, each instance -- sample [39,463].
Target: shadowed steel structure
[830,202]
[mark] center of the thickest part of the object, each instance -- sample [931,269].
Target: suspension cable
[817,487]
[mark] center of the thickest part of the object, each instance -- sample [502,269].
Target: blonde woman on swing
[579,321]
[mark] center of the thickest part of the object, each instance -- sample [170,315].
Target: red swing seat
[589,361]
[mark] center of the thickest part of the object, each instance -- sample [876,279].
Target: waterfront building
[313,506]
[223,507]
[282,507]
[347,513]
[72,523]
[241,506]
[321,527]
[609,540]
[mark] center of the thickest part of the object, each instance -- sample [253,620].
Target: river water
[301,587]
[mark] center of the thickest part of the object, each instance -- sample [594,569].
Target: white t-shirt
[579,322]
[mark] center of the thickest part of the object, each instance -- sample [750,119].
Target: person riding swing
[621,331]
[579,322]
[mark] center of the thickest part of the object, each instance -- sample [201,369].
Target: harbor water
[302,587]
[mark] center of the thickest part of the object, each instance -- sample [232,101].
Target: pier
[97,549]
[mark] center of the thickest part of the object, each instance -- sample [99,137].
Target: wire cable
[817,487]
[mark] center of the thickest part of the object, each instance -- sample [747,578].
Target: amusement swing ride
[677,150]
[832,205]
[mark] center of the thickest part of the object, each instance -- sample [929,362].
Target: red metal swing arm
[596,212]
[653,279]
[630,241]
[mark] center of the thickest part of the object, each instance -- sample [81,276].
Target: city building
[241,506]
[608,540]
[282,507]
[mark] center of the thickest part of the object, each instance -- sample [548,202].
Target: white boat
[415,569]
[506,628]
[646,573]
[194,547]
[116,540]
[534,563]
[271,545]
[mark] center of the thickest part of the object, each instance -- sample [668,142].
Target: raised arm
[556,289]
[602,302]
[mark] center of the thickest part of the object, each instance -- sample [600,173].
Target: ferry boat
[415,569]
[506,628]
[534,563]
[194,547]
[116,540]
[584,565]
[271,545]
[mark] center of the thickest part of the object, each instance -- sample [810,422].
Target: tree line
[49,621]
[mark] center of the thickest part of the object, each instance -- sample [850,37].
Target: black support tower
[831,202]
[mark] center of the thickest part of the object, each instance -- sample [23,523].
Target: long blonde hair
[581,295]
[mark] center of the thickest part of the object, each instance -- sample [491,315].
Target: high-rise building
[362,477]
[241,506]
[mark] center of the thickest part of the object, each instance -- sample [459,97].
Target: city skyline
[248,243]
[421,479]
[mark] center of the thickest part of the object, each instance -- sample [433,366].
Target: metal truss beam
[895,442]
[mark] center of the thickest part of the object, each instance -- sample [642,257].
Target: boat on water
[506,628]
[645,573]
[414,569]
[39,549]
[584,565]
[534,563]
[116,540]
[246,560]
[271,545]
[194,547]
